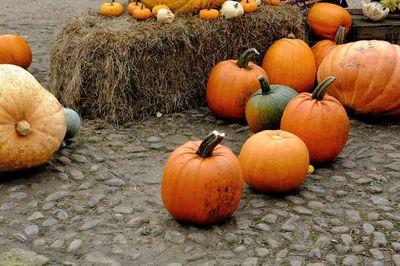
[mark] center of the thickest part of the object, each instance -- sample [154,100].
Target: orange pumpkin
[15,50]
[272,2]
[113,9]
[325,19]
[142,13]
[320,121]
[132,6]
[368,77]
[290,62]
[249,5]
[209,14]
[274,161]
[230,85]
[202,182]
[322,48]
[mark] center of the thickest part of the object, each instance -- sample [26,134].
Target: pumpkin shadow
[26,174]
[373,120]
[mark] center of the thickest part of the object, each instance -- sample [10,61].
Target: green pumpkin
[265,107]
[73,123]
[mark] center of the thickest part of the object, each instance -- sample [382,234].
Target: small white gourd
[165,16]
[232,9]
[374,11]
[258,2]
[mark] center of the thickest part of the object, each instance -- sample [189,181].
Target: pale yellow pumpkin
[32,121]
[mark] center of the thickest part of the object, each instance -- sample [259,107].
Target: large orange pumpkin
[274,161]
[32,121]
[15,50]
[320,121]
[368,76]
[290,62]
[202,182]
[325,19]
[322,48]
[230,85]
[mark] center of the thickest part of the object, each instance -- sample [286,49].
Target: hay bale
[119,69]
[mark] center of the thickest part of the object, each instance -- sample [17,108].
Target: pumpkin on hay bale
[120,69]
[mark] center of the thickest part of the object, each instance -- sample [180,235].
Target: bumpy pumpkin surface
[368,77]
[325,19]
[202,182]
[32,121]
[15,50]
[320,121]
[230,85]
[274,161]
[290,62]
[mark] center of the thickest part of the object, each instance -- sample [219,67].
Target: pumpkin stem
[244,59]
[23,128]
[291,36]
[340,34]
[209,143]
[265,87]
[321,89]
[236,5]
[112,2]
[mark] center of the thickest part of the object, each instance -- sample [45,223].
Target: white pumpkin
[232,9]
[258,2]
[374,11]
[165,16]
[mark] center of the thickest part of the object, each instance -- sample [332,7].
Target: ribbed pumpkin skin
[274,161]
[15,50]
[184,6]
[368,77]
[264,111]
[321,49]
[229,87]
[322,125]
[23,98]
[290,62]
[201,190]
[324,19]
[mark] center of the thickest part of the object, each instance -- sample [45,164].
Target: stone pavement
[98,201]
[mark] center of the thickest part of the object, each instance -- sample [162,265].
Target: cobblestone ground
[97,202]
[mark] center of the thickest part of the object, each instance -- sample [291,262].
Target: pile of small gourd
[294,125]
[207,10]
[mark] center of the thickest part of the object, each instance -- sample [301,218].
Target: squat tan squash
[32,121]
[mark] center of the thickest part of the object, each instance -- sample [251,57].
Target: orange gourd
[272,2]
[320,121]
[325,19]
[209,14]
[290,62]
[202,181]
[32,121]
[15,50]
[230,85]
[132,6]
[249,6]
[274,161]
[142,13]
[368,76]
[322,48]
[113,9]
